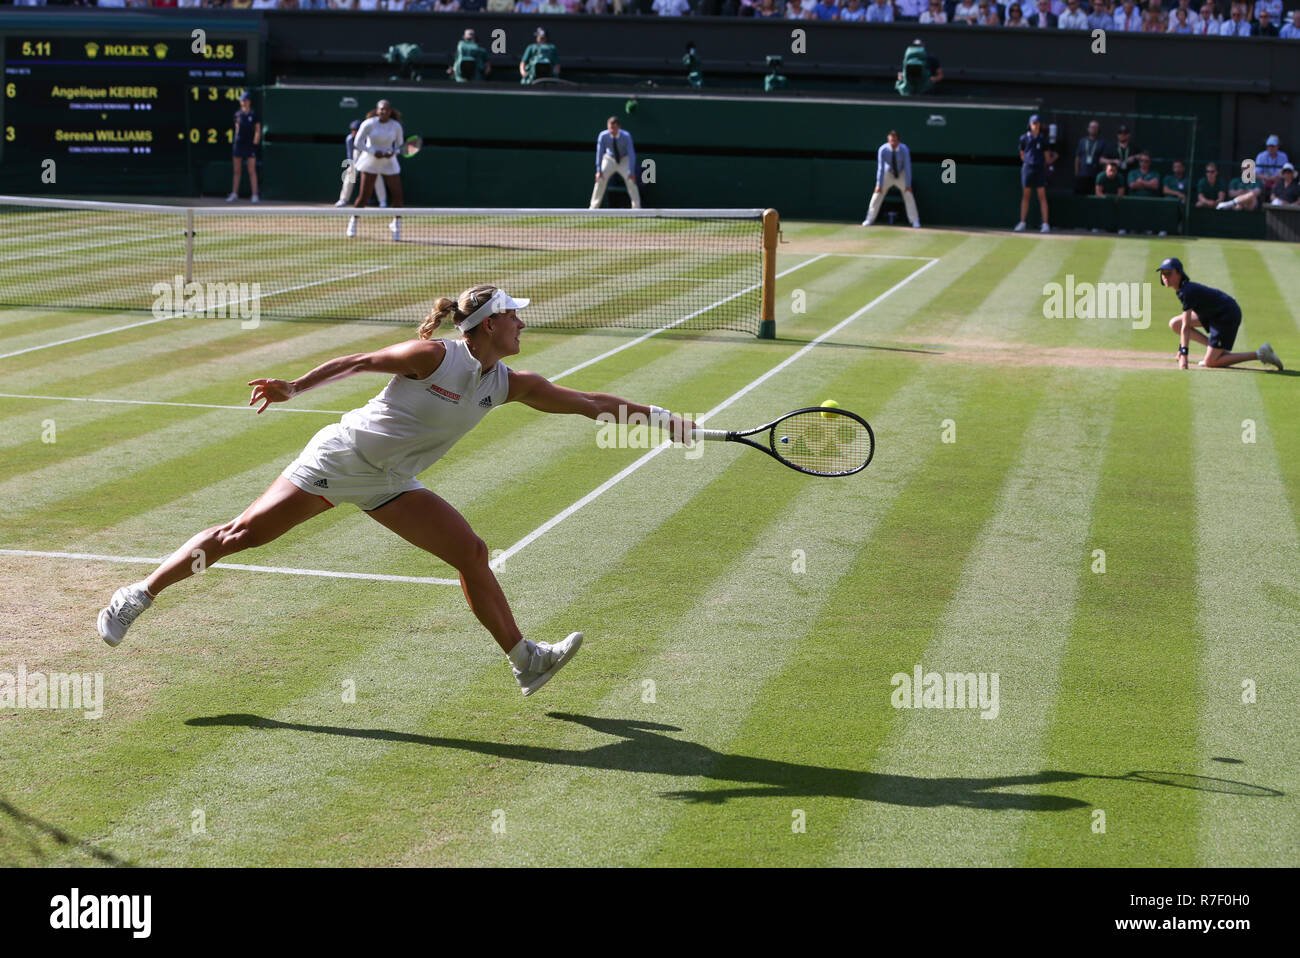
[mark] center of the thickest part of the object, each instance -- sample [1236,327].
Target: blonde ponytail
[459,311]
[442,308]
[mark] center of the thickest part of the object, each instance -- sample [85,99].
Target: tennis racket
[413,145]
[816,441]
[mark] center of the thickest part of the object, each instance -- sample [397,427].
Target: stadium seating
[710,8]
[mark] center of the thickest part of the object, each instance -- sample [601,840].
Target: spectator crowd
[1260,18]
[1109,170]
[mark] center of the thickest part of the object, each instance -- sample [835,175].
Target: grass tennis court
[743,622]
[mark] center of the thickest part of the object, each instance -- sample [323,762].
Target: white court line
[158,402]
[159,319]
[675,322]
[145,560]
[744,390]
[554,520]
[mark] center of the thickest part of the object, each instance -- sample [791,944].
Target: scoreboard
[143,102]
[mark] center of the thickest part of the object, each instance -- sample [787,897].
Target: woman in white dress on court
[375,149]
[438,390]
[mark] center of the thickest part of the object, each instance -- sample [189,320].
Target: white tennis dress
[372,137]
[374,453]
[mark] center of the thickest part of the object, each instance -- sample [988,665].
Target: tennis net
[693,269]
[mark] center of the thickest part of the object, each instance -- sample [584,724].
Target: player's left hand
[267,391]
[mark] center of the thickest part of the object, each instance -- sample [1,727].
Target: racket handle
[715,435]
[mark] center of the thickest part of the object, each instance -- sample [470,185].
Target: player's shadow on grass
[40,839]
[642,748]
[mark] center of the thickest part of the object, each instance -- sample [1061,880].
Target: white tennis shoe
[1020,227]
[545,661]
[395,227]
[123,609]
[1267,355]
[352,226]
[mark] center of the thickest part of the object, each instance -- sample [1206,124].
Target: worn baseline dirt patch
[1021,354]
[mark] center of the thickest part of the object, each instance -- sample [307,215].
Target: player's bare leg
[275,512]
[1024,202]
[431,523]
[363,199]
[281,507]
[1042,206]
[428,521]
[393,183]
[252,176]
[367,188]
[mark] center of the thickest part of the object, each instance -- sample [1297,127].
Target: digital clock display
[121,101]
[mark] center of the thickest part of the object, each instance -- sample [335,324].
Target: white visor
[499,303]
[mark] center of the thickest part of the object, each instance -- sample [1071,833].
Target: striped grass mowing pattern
[1129,692]
[768,735]
[1248,557]
[1010,616]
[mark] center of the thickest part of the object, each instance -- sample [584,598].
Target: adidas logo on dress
[486,401]
[323,483]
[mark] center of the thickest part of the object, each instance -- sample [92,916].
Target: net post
[189,245]
[767,318]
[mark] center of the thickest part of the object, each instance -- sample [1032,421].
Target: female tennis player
[374,153]
[439,391]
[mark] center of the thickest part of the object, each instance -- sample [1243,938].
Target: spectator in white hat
[1287,191]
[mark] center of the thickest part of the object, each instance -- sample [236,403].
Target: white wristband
[658,412]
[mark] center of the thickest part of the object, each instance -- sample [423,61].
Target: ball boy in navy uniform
[1213,310]
[1035,157]
[248,134]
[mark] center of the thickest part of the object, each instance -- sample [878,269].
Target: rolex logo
[160,50]
[92,49]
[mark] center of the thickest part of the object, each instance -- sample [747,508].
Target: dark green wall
[807,158]
[772,124]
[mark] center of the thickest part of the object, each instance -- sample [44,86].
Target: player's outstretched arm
[545,396]
[416,357]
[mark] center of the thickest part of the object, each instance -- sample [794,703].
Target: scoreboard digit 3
[141,102]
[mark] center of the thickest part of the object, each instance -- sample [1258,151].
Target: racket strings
[826,442]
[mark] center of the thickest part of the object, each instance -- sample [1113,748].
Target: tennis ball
[829,404]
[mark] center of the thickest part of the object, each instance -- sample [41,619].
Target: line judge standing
[615,154]
[893,169]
